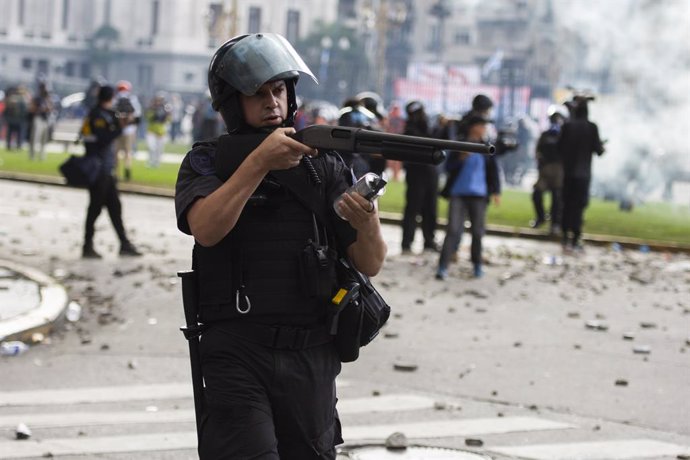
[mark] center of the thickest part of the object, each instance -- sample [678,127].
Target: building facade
[155,44]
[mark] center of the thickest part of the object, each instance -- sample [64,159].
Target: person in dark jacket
[475,181]
[100,129]
[421,196]
[268,359]
[550,168]
[579,141]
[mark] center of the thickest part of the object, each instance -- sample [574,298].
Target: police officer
[101,127]
[578,142]
[268,361]
[354,115]
[550,168]
[421,195]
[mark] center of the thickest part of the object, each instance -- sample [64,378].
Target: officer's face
[268,107]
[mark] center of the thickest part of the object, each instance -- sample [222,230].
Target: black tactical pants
[575,201]
[266,403]
[104,193]
[421,199]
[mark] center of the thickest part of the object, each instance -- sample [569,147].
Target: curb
[52,306]
[396,219]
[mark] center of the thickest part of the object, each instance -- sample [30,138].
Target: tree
[337,58]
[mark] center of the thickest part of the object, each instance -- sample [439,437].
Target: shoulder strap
[309,194]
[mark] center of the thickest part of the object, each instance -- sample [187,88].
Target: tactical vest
[269,265]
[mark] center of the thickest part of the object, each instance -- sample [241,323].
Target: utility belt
[277,337]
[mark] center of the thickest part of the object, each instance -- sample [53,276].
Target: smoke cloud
[635,56]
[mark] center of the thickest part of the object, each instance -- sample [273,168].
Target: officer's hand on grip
[360,212]
[280,151]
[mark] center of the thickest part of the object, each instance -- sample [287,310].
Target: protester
[40,109]
[475,181]
[101,127]
[16,111]
[421,195]
[579,141]
[268,361]
[395,125]
[177,112]
[205,121]
[158,115]
[550,168]
[127,104]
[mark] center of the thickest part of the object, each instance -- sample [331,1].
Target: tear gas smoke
[635,55]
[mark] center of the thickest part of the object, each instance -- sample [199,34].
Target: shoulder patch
[203,161]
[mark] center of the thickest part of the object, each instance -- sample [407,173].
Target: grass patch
[651,221]
[18,161]
[179,148]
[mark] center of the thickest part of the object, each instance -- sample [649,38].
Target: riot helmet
[354,115]
[557,113]
[413,107]
[372,102]
[246,62]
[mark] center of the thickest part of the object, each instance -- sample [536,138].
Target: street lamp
[326,45]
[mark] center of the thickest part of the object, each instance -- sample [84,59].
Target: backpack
[124,105]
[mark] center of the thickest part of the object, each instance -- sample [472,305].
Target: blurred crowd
[561,153]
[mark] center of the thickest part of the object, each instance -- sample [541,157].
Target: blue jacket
[476,175]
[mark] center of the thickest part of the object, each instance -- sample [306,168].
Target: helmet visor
[260,58]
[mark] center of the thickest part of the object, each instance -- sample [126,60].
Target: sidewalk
[32,302]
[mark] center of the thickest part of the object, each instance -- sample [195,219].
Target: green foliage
[651,222]
[343,64]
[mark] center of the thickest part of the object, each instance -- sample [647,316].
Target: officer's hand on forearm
[280,151]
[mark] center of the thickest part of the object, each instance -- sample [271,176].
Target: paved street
[546,357]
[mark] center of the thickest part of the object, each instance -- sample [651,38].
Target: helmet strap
[291,102]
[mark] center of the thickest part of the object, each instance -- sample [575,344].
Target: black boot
[88,252]
[127,249]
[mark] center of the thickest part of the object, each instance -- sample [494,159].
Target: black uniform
[268,362]
[550,167]
[579,140]
[421,196]
[99,131]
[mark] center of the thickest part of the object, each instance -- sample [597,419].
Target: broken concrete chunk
[597,325]
[642,349]
[474,442]
[22,432]
[396,441]
[405,367]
